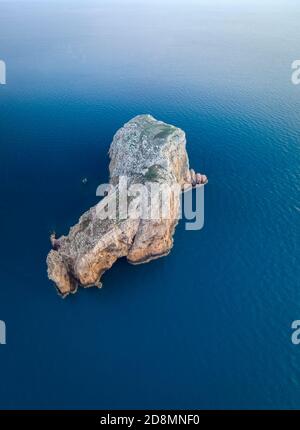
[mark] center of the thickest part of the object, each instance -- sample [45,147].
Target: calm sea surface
[209,326]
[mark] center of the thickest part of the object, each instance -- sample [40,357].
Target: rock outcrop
[146,152]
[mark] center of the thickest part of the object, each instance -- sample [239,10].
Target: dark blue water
[208,326]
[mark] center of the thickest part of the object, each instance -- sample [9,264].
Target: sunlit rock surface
[146,151]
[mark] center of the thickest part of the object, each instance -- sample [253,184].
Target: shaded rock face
[146,151]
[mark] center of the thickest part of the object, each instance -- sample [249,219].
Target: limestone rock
[147,152]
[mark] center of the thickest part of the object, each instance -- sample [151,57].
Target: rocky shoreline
[145,151]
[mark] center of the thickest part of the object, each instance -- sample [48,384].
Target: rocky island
[146,152]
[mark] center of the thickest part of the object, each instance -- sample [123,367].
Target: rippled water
[208,326]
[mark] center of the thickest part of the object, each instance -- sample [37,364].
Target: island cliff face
[145,151]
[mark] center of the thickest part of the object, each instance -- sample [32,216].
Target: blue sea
[209,326]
